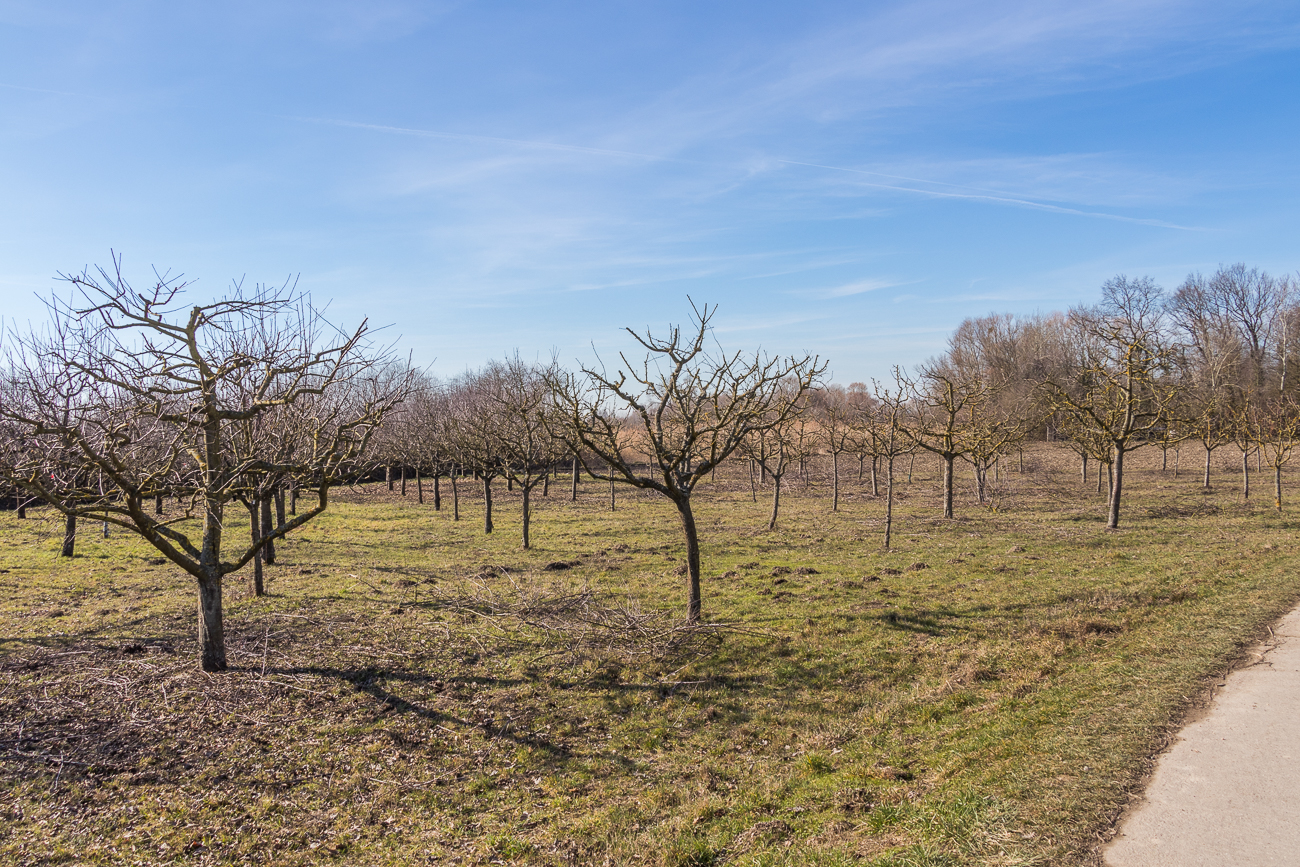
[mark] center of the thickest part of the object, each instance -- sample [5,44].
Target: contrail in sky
[428,133]
[984,196]
[39,90]
[987,197]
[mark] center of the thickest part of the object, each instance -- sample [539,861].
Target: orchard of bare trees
[128,398]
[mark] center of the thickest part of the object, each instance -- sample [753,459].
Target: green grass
[414,692]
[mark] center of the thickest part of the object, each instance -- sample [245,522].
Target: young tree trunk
[487,503]
[947,486]
[437,491]
[1110,479]
[1116,490]
[911,463]
[1245,475]
[546,482]
[835,484]
[419,486]
[611,491]
[1022,461]
[279,506]
[1084,461]
[22,511]
[388,477]
[527,489]
[875,482]
[1177,454]
[403,480]
[776,499]
[573,495]
[255,523]
[293,499]
[889,500]
[862,459]
[268,551]
[69,535]
[1277,486]
[157,504]
[753,488]
[212,639]
[1206,483]
[692,560]
[455,497]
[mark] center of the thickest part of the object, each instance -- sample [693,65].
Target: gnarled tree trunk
[776,499]
[889,499]
[69,536]
[212,641]
[255,526]
[455,497]
[835,484]
[268,550]
[692,559]
[1116,490]
[528,489]
[947,486]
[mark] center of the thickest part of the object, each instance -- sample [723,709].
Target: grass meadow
[412,691]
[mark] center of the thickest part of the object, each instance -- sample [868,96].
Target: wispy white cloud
[856,288]
[771,322]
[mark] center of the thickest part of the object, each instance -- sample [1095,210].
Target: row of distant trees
[1208,363]
[127,399]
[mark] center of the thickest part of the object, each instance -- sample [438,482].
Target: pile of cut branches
[577,623]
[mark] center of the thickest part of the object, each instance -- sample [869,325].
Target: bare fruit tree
[836,414]
[134,393]
[689,409]
[1279,421]
[1126,388]
[942,406]
[888,417]
[522,430]
[777,447]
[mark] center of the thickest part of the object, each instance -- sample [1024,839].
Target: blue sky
[849,179]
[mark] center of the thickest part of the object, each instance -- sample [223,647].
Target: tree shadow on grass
[370,681]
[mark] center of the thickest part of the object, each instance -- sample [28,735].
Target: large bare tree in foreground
[689,409]
[135,394]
